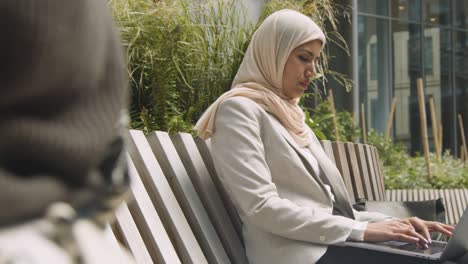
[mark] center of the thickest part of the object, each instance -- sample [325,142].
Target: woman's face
[299,68]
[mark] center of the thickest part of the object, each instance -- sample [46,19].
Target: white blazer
[284,207]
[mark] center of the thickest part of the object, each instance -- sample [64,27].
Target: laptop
[455,249]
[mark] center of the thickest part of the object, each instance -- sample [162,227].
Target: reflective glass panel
[374,70]
[461,13]
[461,77]
[436,61]
[379,7]
[407,61]
[436,12]
[406,9]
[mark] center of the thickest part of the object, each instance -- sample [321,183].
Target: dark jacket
[62,92]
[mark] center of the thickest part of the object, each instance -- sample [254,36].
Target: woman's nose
[310,72]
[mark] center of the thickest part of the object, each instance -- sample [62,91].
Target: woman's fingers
[439,227]
[410,230]
[421,227]
[404,238]
[392,230]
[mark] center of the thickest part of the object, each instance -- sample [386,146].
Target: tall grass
[183,54]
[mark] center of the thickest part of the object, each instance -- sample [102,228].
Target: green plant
[183,54]
[405,172]
[321,122]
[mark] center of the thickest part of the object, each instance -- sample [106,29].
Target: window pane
[379,7]
[437,12]
[407,9]
[407,69]
[461,77]
[374,70]
[461,13]
[437,79]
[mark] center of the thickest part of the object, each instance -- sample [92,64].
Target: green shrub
[405,172]
[320,120]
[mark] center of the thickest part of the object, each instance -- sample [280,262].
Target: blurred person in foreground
[63,95]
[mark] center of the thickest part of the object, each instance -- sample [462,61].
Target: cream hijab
[260,74]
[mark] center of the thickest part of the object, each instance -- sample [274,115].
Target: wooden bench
[167,222]
[361,170]
[180,213]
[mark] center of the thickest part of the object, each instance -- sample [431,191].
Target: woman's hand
[424,227]
[411,230]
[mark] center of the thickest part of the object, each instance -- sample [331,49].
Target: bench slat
[187,196]
[164,199]
[464,198]
[327,147]
[209,195]
[378,169]
[123,257]
[455,201]
[450,204]
[205,150]
[148,221]
[363,173]
[131,236]
[375,183]
[354,169]
[343,167]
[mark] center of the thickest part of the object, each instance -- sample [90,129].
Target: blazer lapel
[331,173]
[300,151]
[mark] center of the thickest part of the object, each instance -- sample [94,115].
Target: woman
[289,195]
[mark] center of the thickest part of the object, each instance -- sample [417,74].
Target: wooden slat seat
[455,200]
[361,171]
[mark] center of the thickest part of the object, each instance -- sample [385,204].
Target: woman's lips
[304,84]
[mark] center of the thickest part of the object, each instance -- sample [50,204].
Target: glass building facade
[395,42]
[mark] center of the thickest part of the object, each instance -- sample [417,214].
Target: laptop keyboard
[433,248]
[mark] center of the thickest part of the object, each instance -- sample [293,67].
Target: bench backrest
[184,197]
[359,167]
[180,213]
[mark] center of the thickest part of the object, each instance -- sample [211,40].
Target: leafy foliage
[405,172]
[321,121]
[183,54]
